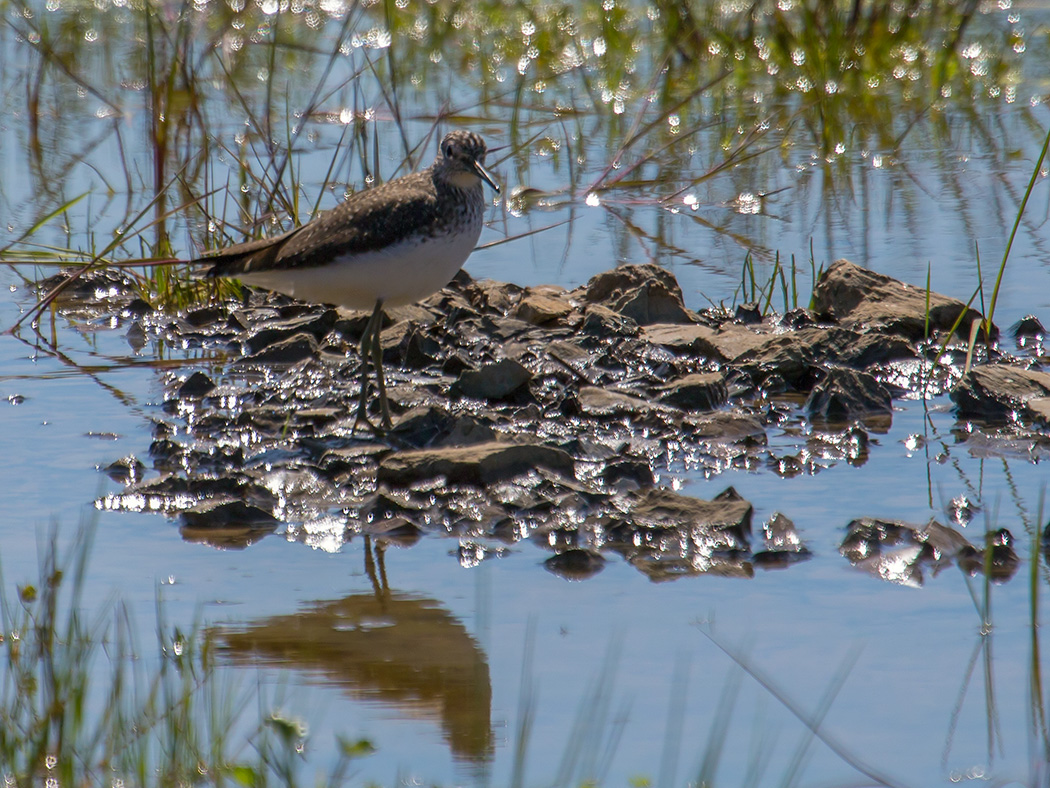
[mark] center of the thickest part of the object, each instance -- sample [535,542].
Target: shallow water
[929,694]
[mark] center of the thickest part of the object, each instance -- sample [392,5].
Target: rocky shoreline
[552,416]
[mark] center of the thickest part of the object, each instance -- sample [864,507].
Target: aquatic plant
[82,701]
[259,114]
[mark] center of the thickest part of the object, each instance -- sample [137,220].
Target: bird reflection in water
[399,650]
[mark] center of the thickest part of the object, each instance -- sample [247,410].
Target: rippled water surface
[439,661]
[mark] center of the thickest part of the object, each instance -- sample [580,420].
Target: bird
[387,246]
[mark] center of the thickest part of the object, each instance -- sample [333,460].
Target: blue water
[616,650]
[801,627]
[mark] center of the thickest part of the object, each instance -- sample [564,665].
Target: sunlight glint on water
[891,200]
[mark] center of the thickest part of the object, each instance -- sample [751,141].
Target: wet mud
[555,417]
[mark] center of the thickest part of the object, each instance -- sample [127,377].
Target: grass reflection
[232,119]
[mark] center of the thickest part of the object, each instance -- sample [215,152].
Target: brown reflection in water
[400,650]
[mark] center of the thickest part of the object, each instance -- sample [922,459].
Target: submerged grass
[82,702]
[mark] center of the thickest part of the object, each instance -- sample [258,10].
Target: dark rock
[645,293]
[136,307]
[172,486]
[886,549]
[722,344]
[542,305]
[92,284]
[866,536]
[603,322]
[732,340]
[412,314]
[942,543]
[552,536]
[290,350]
[1028,326]
[394,341]
[335,462]
[998,392]
[461,282]
[701,391]
[572,355]
[196,385]
[795,355]
[222,514]
[611,284]
[692,339]
[456,363]
[652,303]
[850,444]
[420,349]
[575,564]
[726,518]
[998,557]
[898,552]
[505,328]
[471,553]
[226,524]
[451,308]
[594,401]
[238,320]
[625,472]
[494,381]
[205,316]
[798,318]
[781,534]
[728,427]
[857,297]
[748,314]
[319,416]
[488,295]
[846,395]
[296,309]
[432,426]
[166,452]
[1038,409]
[275,332]
[422,426]
[126,470]
[774,384]
[482,463]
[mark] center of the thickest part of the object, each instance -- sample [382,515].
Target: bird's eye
[448,151]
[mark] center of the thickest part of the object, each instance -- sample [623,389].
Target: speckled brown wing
[364,222]
[238,258]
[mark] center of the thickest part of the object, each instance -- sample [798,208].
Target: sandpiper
[388,246]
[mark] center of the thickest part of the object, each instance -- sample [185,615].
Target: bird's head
[463,157]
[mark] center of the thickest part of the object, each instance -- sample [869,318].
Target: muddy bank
[557,417]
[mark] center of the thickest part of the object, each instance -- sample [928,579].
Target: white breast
[400,274]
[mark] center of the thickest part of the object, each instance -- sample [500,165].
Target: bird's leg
[377,364]
[362,403]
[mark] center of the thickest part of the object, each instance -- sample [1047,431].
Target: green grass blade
[1013,233]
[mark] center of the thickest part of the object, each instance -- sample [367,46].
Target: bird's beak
[485,175]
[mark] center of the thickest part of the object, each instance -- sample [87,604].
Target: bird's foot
[362,416]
